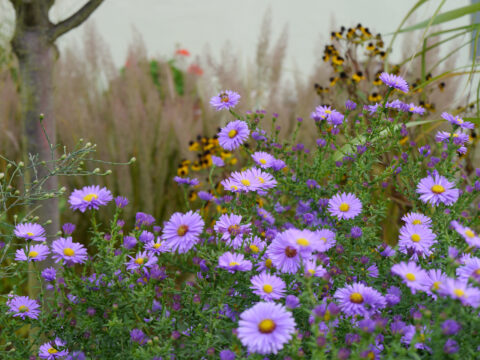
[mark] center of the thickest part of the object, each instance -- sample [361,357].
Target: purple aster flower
[412,274]
[265,328]
[68,228]
[432,282]
[183,231]
[266,216]
[218,161]
[292,302]
[417,239]
[457,289]
[278,164]
[450,347]
[412,108]
[266,180]
[234,262]
[156,247]
[458,138]
[372,271]
[146,236]
[327,240]
[225,100]
[321,113]
[335,118]
[138,336]
[30,231]
[241,181]
[265,264]
[396,105]
[227,355]
[52,351]
[255,245]
[186,181]
[350,105]
[394,295]
[268,287]
[232,231]
[367,325]
[129,242]
[23,306]
[345,206]
[69,251]
[80,355]
[394,81]
[263,159]
[356,232]
[205,196]
[121,202]
[143,219]
[468,234]
[436,189]
[233,135]
[89,197]
[417,219]
[49,274]
[457,120]
[372,109]
[141,260]
[32,253]
[312,269]
[311,184]
[284,253]
[450,327]
[470,269]
[358,299]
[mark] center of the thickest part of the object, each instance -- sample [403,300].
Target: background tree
[33,43]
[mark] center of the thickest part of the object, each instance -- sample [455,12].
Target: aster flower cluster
[288,255]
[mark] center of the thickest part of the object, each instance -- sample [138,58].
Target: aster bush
[281,257]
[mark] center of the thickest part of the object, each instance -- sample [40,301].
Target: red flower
[182,52]
[195,69]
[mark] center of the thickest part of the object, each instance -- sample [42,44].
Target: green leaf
[445,17]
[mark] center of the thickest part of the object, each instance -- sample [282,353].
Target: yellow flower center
[182,230]
[371,355]
[344,207]
[266,326]
[262,161]
[416,222]
[268,288]
[324,239]
[22,308]
[232,133]
[233,263]
[32,254]
[29,233]
[356,298]
[157,246]
[436,285]
[311,271]
[470,233]
[415,238]
[52,351]
[224,98]
[68,252]
[90,197]
[477,272]
[328,111]
[254,248]
[268,263]
[459,292]
[303,242]
[245,182]
[262,180]
[438,189]
[327,315]
[234,187]
[411,108]
[410,277]
[139,261]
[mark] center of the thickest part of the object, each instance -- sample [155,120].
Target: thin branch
[75,20]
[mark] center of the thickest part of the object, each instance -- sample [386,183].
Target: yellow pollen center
[233,263]
[234,187]
[436,285]
[477,272]
[266,326]
[438,189]
[470,233]
[90,197]
[324,239]
[182,230]
[415,238]
[303,242]
[232,133]
[311,271]
[410,277]
[254,248]
[245,182]
[371,355]
[344,207]
[268,288]
[262,180]
[29,233]
[412,108]
[268,263]
[68,252]
[460,121]
[459,292]
[224,98]
[139,261]
[32,254]
[328,112]
[263,161]
[156,246]
[327,316]
[416,222]
[52,351]
[22,308]
[356,298]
